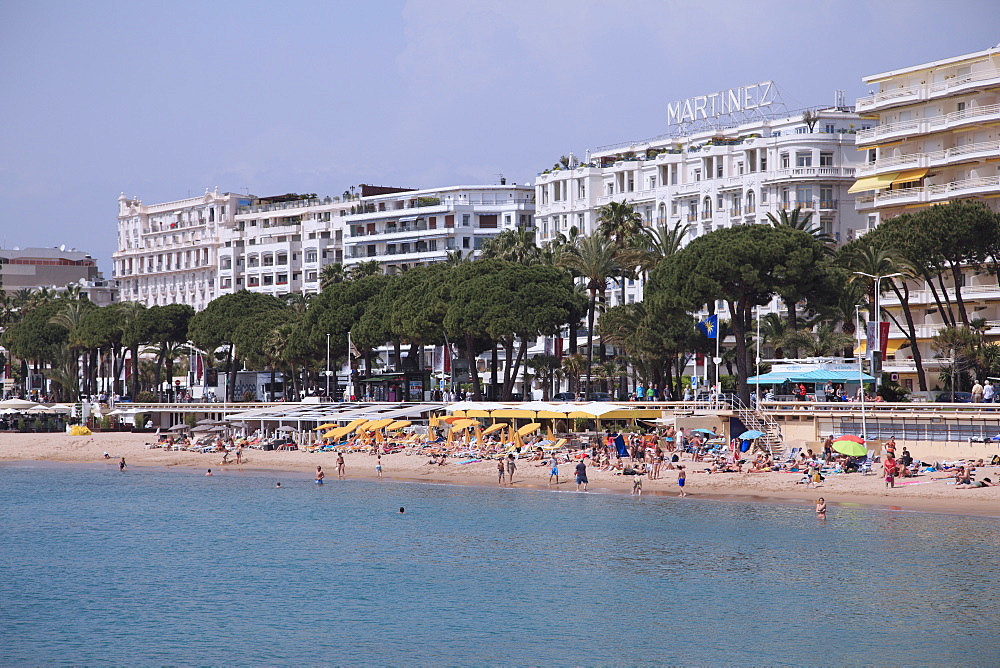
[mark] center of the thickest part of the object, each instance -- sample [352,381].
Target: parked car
[565,396]
[958,398]
[600,396]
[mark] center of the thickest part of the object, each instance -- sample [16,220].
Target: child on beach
[554,471]
[681,479]
[821,508]
[637,484]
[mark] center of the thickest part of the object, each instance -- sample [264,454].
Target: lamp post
[878,314]
[328,367]
[758,358]
[861,375]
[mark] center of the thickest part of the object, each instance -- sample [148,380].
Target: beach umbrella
[751,434]
[179,427]
[208,421]
[494,427]
[703,431]
[18,404]
[286,428]
[328,425]
[850,448]
[849,437]
[398,424]
[529,428]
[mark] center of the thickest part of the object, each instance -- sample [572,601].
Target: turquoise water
[170,567]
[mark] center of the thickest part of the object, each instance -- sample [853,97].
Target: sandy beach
[922,494]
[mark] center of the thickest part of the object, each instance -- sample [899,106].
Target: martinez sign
[732,101]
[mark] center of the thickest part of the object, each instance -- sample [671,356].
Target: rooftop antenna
[839,99]
[503,180]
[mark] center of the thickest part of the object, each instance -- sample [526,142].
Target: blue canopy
[812,376]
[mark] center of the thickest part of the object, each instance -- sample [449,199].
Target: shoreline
[842,490]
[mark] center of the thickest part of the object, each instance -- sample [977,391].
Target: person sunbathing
[975,484]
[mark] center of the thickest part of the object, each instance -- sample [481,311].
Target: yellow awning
[877,182]
[514,413]
[910,175]
[890,348]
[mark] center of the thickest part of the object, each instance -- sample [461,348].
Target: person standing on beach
[239,454]
[319,475]
[122,465]
[378,467]
[681,479]
[581,475]
[341,469]
[501,471]
[554,471]
[511,467]
[889,467]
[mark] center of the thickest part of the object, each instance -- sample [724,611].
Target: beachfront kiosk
[783,377]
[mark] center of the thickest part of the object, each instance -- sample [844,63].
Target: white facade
[413,228]
[167,253]
[937,139]
[280,247]
[714,179]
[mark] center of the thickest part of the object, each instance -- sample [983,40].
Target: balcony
[930,194]
[735,212]
[951,156]
[909,94]
[792,173]
[706,215]
[692,217]
[922,126]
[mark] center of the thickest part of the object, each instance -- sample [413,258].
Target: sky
[164,99]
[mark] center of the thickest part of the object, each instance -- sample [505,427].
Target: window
[465,242]
[739,168]
[673,208]
[652,182]
[801,130]
[267,260]
[488,222]
[311,255]
[763,161]
[804,159]
[282,279]
[829,128]
[282,258]
[718,201]
[268,279]
[718,168]
[226,262]
[960,106]
[449,221]
[697,175]
[804,196]
[432,245]
[253,281]
[506,220]
[311,276]
[763,195]
[609,188]
[826,197]
[826,159]
[466,220]
[784,161]
[581,189]
[579,221]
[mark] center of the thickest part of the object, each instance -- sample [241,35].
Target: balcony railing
[692,217]
[931,158]
[924,125]
[934,192]
[926,91]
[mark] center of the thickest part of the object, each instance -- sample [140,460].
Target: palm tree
[363,269]
[455,258]
[621,223]
[514,245]
[298,302]
[596,259]
[574,366]
[662,242]
[609,372]
[277,345]
[797,221]
[331,275]
[69,317]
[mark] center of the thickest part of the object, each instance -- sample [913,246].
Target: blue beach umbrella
[751,434]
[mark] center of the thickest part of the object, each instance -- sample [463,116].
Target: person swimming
[209,472]
[402,509]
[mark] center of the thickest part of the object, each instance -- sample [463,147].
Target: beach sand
[926,496]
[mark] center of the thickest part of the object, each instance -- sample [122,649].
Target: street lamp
[861,374]
[328,367]
[878,315]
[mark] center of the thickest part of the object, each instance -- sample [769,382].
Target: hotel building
[713,178]
[56,268]
[193,250]
[168,253]
[937,139]
[413,228]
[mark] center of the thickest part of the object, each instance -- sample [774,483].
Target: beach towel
[620,445]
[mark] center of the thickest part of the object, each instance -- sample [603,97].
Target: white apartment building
[714,178]
[168,253]
[409,229]
[937,139]
[279,245]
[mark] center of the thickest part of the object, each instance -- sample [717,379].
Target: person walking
[122,465]
[889,468]
[341,468]
[500,472]
[378,467]
[581,475]
[988,392]
[554,471]
[977,393]
[511,467]
[681,479]
[637,484]
[319,475]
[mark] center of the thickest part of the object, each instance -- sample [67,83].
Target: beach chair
[866,466]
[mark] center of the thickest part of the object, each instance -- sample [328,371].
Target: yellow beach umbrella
[331,434]
[328,425]
[529,428]
[398,424]
[494,428]
[464,424]
[379,424]
[354,424]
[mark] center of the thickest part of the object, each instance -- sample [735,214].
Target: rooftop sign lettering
[724,103]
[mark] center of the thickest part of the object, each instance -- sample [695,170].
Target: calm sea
[170,567]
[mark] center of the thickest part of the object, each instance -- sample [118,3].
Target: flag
[710,326]
[355,353]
